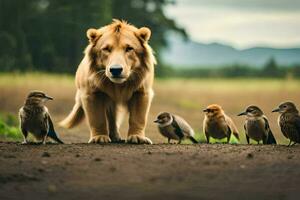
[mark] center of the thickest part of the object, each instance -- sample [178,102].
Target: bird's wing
[51,133]
[267,126]
[245,127]
[178,130]
[21,118]
[232,127]
[205,126]
[270,138]
[297,123]
[185,128]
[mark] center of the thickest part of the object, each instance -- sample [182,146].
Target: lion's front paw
[100,139]
[137,139]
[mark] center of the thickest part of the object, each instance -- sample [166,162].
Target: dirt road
[82,171]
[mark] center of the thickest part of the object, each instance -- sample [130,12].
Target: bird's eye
[128,49]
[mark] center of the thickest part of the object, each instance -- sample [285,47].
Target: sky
[240,23]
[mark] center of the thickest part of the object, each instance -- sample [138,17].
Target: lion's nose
[116,70]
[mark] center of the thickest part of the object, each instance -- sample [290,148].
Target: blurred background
[230,52]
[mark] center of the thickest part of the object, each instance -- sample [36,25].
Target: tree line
[270,70]
[50,35]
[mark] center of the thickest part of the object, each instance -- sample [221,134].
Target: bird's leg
[169,140]
[179,142]
[24,140]
[289,143]
[248,139]
[207,139]
[228,139]
[258,142]
[44,140]
[293,144]
[25,133]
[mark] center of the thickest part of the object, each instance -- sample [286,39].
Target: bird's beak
[243,113]
[156,121]
[276,110]
[205,110]
[48,98]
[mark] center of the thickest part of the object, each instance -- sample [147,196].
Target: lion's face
[117,49]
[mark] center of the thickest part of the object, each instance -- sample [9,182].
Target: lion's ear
[93,35]
[144,33]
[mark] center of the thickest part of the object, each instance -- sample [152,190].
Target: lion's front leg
[94,107]
[113,126]
[138,108]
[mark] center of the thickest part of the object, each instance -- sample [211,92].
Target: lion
[116,72]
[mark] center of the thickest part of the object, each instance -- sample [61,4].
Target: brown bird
[257,126]
[289,121]
[35,118]
[217,124]
[174,127]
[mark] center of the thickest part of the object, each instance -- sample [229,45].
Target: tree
[50,35]
[271,68]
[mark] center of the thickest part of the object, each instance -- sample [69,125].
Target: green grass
[9,129]
[12,79]
[217,84]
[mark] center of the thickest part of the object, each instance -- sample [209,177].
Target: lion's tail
[75,116]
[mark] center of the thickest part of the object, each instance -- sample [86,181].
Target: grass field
[185,97]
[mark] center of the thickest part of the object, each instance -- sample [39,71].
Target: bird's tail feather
[193,139]
[53,135]
[271,139]
[74,118]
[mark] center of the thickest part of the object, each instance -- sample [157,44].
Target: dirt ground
[81,171]
[77,170]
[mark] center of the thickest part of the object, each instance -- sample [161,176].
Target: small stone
[9,156]
[97,159]
[113,169]
[46,154]
[77,155]
[149,152]
[52,188]
[242,166]
[290,157]
[44,162]
[250,156]
[41,170]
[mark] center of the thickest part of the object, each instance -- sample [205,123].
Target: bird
[217,124]
[174,127]
[289,121]
[257,126]
[35,118]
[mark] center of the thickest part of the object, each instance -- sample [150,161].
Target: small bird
[217,124]
[174,127]
[35,118]
[289,121]
[257,126]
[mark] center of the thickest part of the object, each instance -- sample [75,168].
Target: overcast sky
[241,23]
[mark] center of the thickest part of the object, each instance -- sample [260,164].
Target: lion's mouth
[118,79]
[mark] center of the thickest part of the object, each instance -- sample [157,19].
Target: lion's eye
[128,49]
[107,49]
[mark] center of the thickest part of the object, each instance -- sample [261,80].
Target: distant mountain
[187,53]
